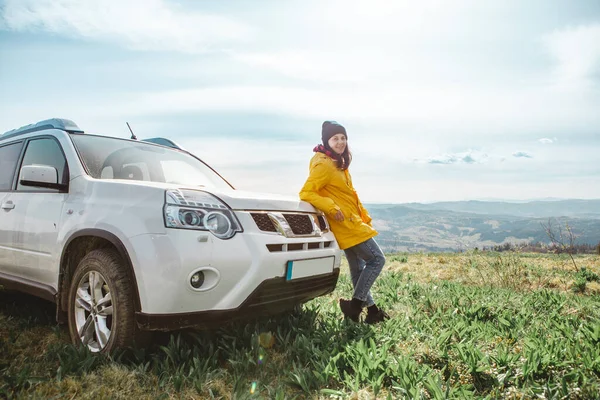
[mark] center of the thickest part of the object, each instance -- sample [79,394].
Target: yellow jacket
[330,189]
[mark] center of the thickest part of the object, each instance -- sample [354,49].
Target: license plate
[302,268]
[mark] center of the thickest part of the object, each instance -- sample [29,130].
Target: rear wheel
[101,305]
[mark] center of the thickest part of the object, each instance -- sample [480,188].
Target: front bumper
[271,297]
[242,265]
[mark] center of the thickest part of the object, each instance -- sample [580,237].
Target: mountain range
[463,225]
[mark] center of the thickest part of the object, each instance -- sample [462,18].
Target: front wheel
[101,305]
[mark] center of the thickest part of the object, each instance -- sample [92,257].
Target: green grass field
[472,325]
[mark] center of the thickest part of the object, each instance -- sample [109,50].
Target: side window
[9,155]
[45,152]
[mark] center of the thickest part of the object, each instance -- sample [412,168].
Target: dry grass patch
[108,382]
[511,270]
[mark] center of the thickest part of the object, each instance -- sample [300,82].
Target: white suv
[128,236]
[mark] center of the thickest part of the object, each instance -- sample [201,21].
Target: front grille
[263,222]
[275,248]
[300,223]
[316,245]
[322,223]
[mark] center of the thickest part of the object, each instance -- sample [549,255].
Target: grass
[472,325]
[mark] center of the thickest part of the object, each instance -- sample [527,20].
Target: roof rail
[163,142]
[53,123]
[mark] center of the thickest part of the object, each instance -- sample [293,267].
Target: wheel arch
[77,246]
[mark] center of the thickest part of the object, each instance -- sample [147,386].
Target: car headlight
[194,209]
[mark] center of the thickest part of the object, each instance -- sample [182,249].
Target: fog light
[197,279]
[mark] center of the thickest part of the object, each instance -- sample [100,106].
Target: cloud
[577,54]
[468,157]
[137,24]
[547,141]
[313,65]
[393,80]
[522,154]
[447,159]
[439,107]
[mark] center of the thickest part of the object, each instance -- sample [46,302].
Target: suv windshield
[114,158]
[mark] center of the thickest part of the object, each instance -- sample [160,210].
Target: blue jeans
[366,261]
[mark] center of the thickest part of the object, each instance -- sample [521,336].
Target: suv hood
[236,199]
[240,200]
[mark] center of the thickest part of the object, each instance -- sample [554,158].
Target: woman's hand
[339,216]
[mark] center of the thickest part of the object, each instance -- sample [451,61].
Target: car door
[37,213]
[9,157]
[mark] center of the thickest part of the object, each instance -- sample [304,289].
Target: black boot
[351,308]
[375,315]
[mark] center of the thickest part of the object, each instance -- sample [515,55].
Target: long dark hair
[343,160]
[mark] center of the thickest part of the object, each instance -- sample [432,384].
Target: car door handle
[9,205]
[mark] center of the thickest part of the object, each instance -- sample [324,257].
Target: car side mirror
[40,176]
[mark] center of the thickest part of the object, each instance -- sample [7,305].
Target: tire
[102,319]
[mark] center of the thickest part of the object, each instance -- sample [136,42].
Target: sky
[441,100]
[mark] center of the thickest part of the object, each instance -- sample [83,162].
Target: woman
[329,188]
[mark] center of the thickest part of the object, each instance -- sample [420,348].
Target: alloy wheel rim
[94,311]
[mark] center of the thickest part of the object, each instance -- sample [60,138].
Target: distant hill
[452,226]
[534,209]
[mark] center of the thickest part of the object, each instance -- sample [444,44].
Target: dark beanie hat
[331,128]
